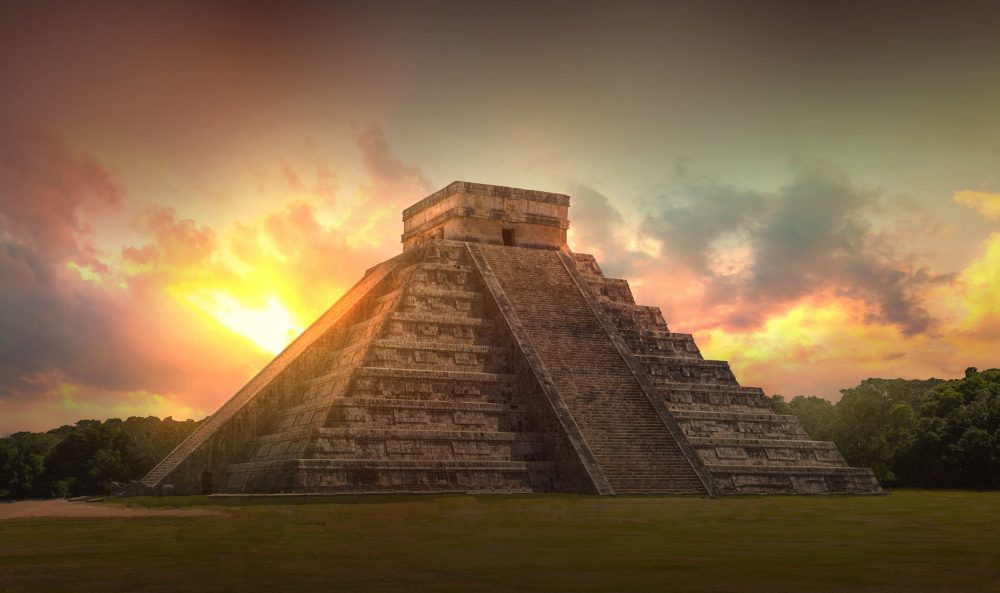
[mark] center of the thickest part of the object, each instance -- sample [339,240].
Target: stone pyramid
[487,357]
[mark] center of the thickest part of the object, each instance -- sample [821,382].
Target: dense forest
[932,433]
[86,458]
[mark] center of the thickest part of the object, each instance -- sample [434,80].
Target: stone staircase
[745,446]
[628,438]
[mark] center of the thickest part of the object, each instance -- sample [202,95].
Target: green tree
[876,419]
[778,404]
[88,460]
[956,441]
[22,463]
[817,415]
[86,457]
[151,439]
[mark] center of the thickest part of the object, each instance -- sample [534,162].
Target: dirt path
[24,509]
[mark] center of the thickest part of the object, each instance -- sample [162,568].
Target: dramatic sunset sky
[813,192]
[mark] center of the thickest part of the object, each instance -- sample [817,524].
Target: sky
[811,189]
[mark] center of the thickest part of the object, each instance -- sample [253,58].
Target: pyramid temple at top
[488,357]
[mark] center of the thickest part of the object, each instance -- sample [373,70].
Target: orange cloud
[763,251]
[188,315]
[827,342]
[976,302]
[47,193]
[988,204]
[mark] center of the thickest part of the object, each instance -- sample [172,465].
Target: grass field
[910,541]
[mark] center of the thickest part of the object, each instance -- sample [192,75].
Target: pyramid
[488,357]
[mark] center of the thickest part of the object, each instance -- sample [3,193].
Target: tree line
[87,458]
[919,433]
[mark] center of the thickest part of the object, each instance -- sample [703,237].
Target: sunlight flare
[271,327]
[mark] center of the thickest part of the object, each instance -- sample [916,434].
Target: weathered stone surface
[488,214]
[488,358]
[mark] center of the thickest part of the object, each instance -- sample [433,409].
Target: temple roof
[480,213]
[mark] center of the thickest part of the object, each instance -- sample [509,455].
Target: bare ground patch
[26,509]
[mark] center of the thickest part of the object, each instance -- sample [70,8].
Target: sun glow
[271,327]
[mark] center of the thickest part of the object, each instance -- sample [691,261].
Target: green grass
[910,541]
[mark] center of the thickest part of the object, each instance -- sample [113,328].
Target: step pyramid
[488,357]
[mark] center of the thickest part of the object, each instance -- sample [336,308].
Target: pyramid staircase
[623,429]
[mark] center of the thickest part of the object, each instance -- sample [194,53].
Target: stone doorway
[207,487]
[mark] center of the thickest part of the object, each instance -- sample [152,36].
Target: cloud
[295,256]
[46,190]
[599,227]
[381,165]
[977,298]
[689,224]
[757,253]
[594,226]
[47,313]
[316,245]
[987,204]
[182,316]
[391,185]
[73,316]
[178,242]
[116,332]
